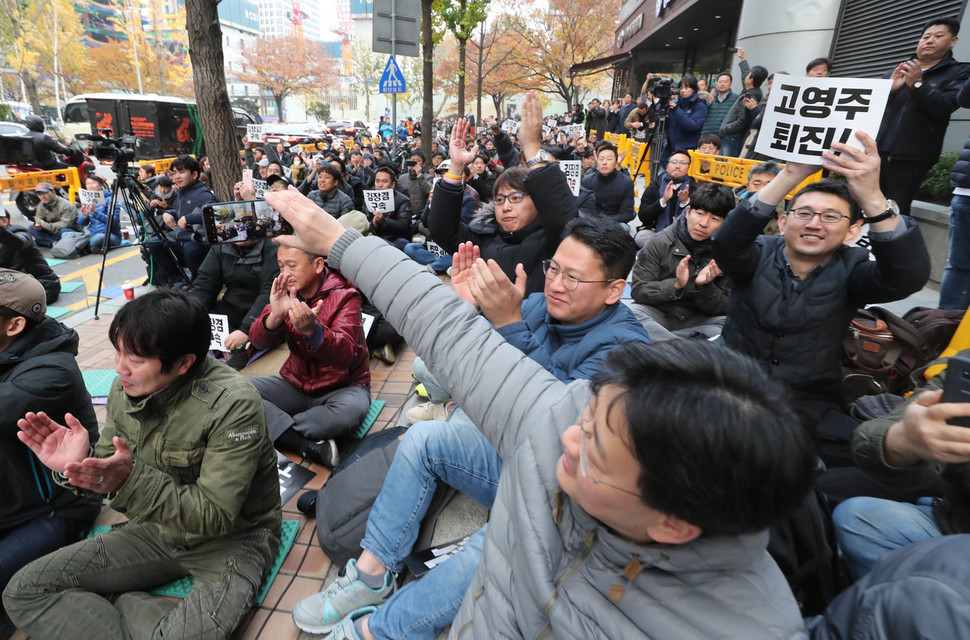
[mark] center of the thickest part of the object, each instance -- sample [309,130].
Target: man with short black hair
[923,97]
[187,237]
[818,68]
[723,99]
[677,287]
[594,511]
[613,188]
[395,226]
[795,294]
[323,390]
[186,456]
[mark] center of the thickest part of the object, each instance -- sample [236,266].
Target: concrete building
[862,38]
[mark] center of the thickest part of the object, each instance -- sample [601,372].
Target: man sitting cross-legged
[323,390]
[678,290]
[617,514]
[569,330]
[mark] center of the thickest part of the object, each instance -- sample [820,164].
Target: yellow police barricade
[732,172]
[161,165]
[27,181]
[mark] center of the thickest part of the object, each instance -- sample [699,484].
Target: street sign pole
[394,99]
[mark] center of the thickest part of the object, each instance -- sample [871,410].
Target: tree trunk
[367,104]
[427,52]
[481,65]
[30,85]
[215,111]
[462,45]
[279,106]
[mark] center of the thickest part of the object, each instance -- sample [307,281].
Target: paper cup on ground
[129,290]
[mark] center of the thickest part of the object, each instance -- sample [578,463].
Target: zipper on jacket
[590,541]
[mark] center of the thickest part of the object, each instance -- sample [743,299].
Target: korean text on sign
[379,201]
[804,116]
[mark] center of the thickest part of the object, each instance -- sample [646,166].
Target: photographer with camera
[416,182]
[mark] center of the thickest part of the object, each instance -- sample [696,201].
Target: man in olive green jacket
[186,456]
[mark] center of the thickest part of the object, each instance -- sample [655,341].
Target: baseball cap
[43,187]
[264,162]
[22,294]
[273,179]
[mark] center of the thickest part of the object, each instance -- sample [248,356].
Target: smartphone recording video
[244,220]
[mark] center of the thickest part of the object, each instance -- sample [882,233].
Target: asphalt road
[122,265]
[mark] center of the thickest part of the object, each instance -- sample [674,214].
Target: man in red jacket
[323,390]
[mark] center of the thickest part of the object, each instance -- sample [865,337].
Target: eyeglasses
[584,459]
[514,197]
[680,162]
[828,216]
[569,281]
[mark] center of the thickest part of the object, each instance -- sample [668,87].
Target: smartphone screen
[956,388]
[243,220]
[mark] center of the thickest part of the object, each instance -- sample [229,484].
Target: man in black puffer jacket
[19,252]
[795,294]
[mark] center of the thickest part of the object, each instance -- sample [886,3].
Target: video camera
[109,149]
[663,90]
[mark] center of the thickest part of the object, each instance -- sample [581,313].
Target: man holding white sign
[924,96]
[393,221]
[795,294]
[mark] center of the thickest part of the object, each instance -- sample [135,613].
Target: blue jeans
[417,252]
[436,393]
[35,539]
[869,528]
[955,286]
[45,238]
[460,456]
[731,147]
[98,238]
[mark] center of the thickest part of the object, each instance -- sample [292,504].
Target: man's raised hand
[461,270]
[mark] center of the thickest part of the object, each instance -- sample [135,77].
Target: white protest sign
[368,321]
[287,172]
[379,200]
[248,178]
[572,169]
[804,116]
[254,132]
[550,122]
[261,187]
[220,331]
[436,249]
[510,126]
[92,197]
[574,129]
[545,130]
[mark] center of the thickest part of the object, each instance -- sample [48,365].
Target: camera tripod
[133,194]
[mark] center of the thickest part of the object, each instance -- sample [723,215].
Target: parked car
[347,128]
[291,134]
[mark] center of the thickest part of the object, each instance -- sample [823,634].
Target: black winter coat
[795,327]
[915,121]
[39,372]
[530,245]
[18,252]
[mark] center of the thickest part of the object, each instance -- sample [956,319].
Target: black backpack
[805,549]
[344,502]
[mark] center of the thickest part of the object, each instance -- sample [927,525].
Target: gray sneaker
[322,612]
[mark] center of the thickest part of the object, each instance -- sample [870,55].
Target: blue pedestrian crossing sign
[393,80]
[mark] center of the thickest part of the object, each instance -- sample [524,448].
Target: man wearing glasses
[569,329]
[666,197]
[795,294]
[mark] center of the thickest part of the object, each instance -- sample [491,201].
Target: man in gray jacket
[599,527]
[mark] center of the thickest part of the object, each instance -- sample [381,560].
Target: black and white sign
[254,132]
[381,201]
[220,331]
[573,170]
[91,197]
[510,126]
[804,116]
[261,187]
[574,129]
